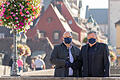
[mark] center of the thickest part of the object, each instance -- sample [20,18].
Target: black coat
[100,60]
[59,56]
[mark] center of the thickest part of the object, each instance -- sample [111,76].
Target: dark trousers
[19,68]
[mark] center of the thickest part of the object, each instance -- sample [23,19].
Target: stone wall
[5,45]
[4,70]
[57,78]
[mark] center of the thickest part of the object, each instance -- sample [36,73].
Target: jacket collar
[62,44]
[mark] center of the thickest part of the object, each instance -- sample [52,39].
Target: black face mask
[67,40]
[91,40]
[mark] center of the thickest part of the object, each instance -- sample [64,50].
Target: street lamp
[14,65]
[17,40]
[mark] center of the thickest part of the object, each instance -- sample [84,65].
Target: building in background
[100,16]
[52,25]
[114,17]
[117,26]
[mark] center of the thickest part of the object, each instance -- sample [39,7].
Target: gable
[99,15]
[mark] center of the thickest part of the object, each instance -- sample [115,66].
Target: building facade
[52,25]
[100,16]
[114,17]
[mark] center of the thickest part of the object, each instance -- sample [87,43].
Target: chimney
[59,6]
[87,10]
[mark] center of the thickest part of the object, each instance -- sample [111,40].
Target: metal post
[14,65]
[24,64]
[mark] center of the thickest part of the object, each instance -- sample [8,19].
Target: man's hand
[74,66]
[68,64]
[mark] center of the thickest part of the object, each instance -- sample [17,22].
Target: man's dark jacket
[59,56]
[100,60]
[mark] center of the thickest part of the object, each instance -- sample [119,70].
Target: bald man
[65,56]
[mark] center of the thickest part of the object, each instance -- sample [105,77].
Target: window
[49,19]
[56,35]
[2,35]
[42,34]
[70,21]
[75,35]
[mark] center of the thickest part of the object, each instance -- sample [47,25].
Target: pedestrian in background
[39,63]
[10,64]
[20,64]
[33,64]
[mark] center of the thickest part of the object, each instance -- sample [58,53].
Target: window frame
[58,35]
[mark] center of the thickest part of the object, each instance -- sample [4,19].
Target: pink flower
[27,12]
[21,23]
[34,17]
[1,14]
[16,28]
[3,9]
[16,10]
[14,15]
[20,26]
[25,29]
[29,23]
[22,6]
[21,10]
[8,3]
[3,5]
[11,12]
[16,18]
[16,24]
[24,17]
[25,9]
[4,15]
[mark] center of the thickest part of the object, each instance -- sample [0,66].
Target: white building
[100,15]
[114,17]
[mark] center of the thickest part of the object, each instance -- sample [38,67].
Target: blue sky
[93,4]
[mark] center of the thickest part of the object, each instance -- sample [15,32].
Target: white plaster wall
[114,16]
[104,28]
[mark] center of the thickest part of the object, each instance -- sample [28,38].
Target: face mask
[68,40]
[92,40]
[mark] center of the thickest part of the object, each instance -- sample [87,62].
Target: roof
[62,19]
[99,15]
[6,31]
[68,9]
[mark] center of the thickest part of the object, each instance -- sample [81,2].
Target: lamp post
[14,65]
[17,40]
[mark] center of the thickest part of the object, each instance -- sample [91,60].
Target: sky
[93,4]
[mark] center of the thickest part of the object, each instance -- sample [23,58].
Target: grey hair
[68,32]
[90,32]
